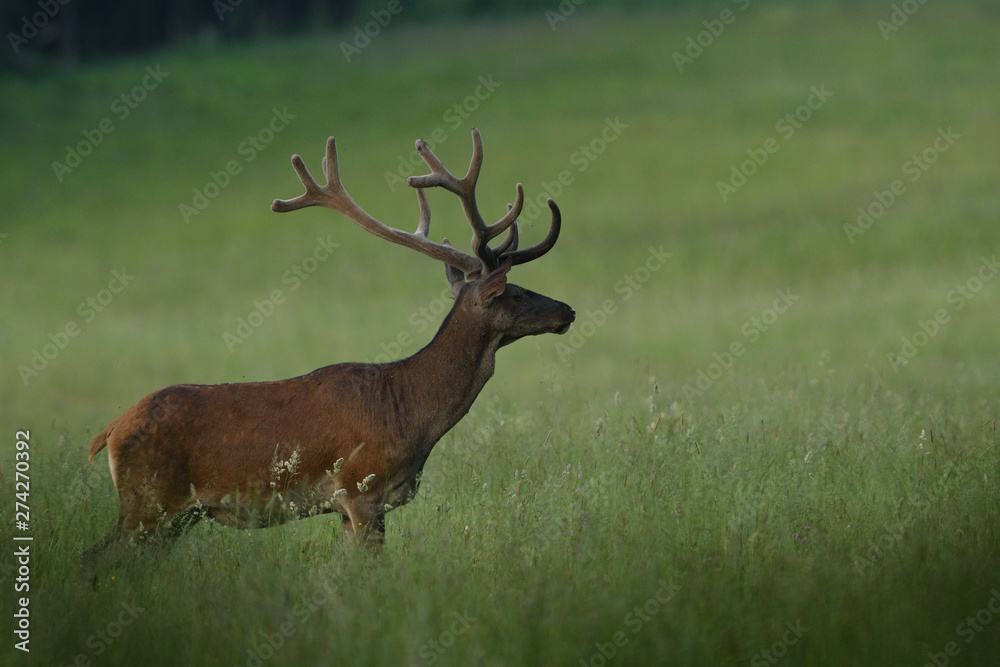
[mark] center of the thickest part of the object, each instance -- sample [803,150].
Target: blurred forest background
[72,31]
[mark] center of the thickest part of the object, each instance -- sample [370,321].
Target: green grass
[813,481]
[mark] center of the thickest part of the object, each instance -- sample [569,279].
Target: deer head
[510,309]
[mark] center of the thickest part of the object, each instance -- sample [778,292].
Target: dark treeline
[71,31]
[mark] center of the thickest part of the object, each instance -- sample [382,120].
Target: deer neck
[443,380]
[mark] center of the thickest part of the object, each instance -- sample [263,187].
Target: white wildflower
[363,484]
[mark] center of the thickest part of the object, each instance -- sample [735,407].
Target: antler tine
[509,243]
[424,221]
[539,249]
[508,219]
[465,189]
[314,194]
[441,177]
[334,196]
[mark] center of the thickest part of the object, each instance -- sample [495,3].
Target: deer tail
[99,442]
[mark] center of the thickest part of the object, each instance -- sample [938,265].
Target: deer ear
[456,278]
[493,284]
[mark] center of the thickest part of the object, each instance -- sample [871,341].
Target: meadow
[769,438]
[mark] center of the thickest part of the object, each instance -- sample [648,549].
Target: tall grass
[636,491]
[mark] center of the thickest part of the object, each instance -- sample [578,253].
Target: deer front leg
[363,526]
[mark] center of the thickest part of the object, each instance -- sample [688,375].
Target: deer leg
[106,553]
[373,534]
[142,521]
[364,528]
[179,524]
[89,557]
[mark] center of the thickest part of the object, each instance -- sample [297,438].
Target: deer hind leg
[157,509]
[92,558]
[110,551]
[150,514]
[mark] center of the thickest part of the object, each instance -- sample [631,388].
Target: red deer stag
[350,438]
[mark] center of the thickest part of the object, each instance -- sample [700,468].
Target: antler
[334,196]
[482,233]
[486,259]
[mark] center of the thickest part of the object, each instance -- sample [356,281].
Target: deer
[350,438]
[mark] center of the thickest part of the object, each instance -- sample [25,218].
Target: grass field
[776,445]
